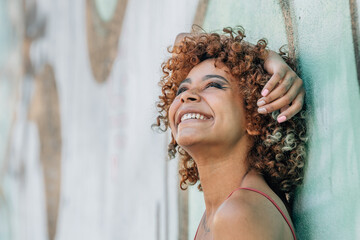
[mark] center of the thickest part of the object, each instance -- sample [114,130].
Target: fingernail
[262,110]
[261,102]
[281,119]
[264,92]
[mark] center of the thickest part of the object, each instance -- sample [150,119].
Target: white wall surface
[115,180]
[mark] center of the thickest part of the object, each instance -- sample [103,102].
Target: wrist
[273,59]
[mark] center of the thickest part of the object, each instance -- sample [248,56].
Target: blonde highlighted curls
[279,150]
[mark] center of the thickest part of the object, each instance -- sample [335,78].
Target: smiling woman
[248,163]
[207,93]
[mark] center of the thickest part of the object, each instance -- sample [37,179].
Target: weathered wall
[324,37]
[78,159]
[78,84]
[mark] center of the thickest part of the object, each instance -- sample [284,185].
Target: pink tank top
[271,200]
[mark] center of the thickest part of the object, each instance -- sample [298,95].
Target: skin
[219,146]
[284,91]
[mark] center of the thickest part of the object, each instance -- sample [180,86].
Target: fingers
[290,79]
[271,103]
[296,91]
[284,108]
[273,81]
[295,107]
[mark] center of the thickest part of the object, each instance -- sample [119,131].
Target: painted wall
[323,36]
[78,85]
[78,159]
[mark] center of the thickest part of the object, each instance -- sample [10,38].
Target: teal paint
[267,15]
[326,206]
[106,8]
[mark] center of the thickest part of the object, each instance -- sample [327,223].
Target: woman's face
[208,108]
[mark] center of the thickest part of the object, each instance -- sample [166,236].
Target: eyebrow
[206,77]
[214,76]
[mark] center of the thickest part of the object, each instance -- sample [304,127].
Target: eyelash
[214,84]
[181,90]
[211,84]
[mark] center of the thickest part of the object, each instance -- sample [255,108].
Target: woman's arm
[284,90]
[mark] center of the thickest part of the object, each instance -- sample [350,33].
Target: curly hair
[279,150]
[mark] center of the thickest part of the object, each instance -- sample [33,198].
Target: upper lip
[189,110]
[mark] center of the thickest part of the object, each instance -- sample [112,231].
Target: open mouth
[194,116]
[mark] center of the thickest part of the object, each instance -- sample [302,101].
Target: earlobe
[253,132]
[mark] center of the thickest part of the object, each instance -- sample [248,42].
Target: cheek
[172,112]
[232,116]
[239,116]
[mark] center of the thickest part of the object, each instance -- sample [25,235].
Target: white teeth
[192,116]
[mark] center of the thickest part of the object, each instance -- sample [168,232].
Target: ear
[252,132]
[252,129]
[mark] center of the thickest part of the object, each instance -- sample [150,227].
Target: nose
[190,96]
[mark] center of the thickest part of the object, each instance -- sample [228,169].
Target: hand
[284,90]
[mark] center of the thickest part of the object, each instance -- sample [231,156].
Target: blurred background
[78,86]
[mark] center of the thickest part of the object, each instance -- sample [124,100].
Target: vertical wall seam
[355,35]
[201,12]
[158,220]
[183,209]
[290,27]
[166,193]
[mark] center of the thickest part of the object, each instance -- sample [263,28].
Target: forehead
[207,68]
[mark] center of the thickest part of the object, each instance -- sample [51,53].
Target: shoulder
[245,215]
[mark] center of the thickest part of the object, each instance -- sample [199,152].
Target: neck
[221,171]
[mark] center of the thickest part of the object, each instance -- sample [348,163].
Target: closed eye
[215,84]
[211,84]
[181,90]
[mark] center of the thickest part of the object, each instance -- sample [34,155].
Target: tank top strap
[272,201]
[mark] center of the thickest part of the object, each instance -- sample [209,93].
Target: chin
[185,141]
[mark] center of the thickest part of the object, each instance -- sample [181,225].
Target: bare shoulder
[246,215]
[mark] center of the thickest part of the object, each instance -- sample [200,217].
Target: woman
[248,164]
